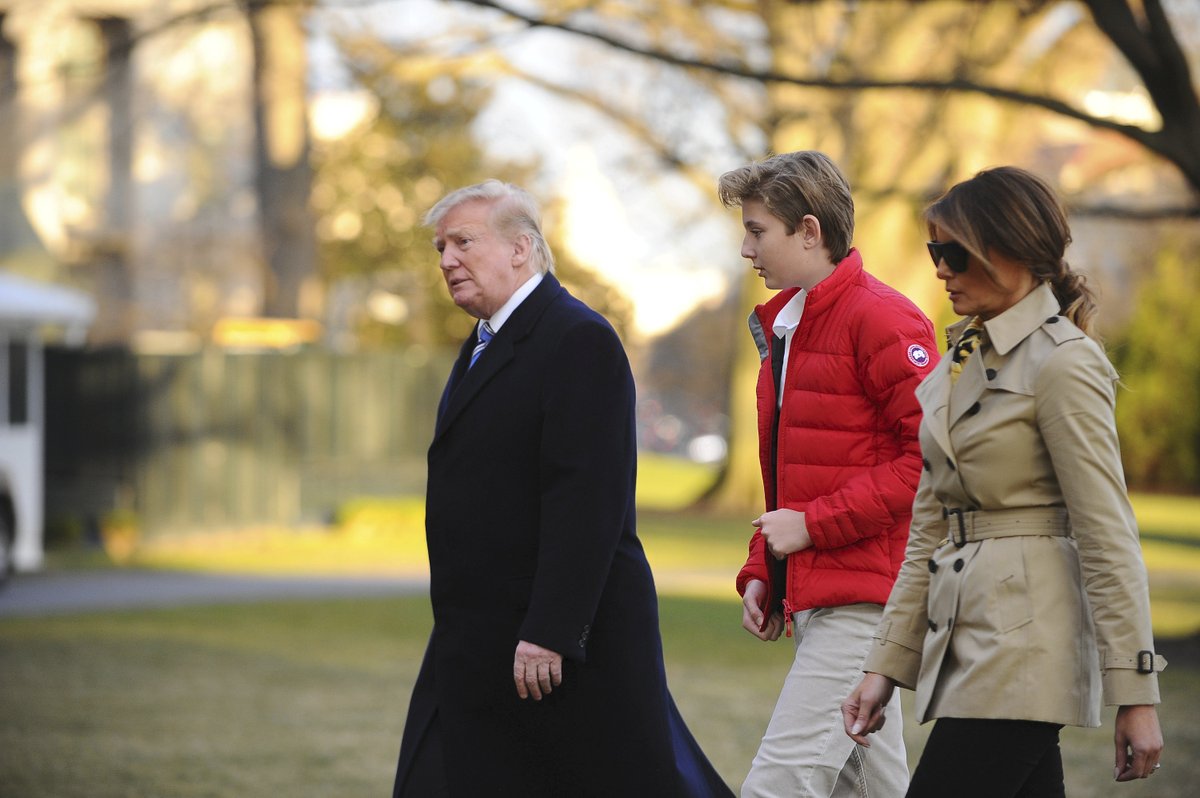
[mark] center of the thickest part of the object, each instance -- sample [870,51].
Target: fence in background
[217,439]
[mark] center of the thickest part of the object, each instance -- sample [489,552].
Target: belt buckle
[1145,662]
[961,539]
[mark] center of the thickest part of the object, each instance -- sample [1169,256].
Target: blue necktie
[485,335]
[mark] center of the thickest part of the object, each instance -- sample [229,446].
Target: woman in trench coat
[1023,598]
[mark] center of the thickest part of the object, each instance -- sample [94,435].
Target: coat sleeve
[901,634]
[756,560]
[587,471]
[878,498]
[756,563]
[1075,402]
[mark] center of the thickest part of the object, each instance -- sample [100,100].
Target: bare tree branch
[1115,20]
[1155,54]
[1076,207]
[847,84]
[1108,211]
[1149,45]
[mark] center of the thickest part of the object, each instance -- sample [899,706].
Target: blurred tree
[897,155]
[1160,368]
[374,185]
[949,62]
[283,174]
[908,97]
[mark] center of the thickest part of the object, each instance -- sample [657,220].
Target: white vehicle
[8,530]
[28,311]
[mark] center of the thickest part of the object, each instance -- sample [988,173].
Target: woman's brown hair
[1017,214]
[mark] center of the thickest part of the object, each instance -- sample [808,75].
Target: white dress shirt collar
[789,315]
[784,326]
[500,316]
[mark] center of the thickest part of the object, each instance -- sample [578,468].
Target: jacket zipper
[787,617]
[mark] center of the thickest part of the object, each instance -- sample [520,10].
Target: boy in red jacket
[841,356]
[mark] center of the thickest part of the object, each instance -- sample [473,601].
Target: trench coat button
[958,564]
[991,374]
[583,637]
[925,463]
[950,463]
[973,409]
[1052,320]
[932,625]
[933,567]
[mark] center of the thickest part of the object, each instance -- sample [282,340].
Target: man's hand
[862,711]
[536,670]
[752,613]
[784,532]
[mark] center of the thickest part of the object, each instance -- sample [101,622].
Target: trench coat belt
[966,526]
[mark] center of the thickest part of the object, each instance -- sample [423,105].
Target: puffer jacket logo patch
[918,355]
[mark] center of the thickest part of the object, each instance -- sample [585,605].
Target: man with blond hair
[841,356]
[544,672]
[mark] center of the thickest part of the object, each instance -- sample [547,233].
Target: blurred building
[154,156]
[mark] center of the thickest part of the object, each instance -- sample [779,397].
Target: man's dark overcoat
[531,536]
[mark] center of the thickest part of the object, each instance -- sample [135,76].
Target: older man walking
[544,673]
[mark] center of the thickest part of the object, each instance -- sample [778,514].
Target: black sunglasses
[950,251]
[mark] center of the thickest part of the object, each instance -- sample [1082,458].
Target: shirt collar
[500,316]
[789,315]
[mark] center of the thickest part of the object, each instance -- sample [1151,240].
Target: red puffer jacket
[848,456]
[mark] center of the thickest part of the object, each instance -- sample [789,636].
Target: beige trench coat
[1033,626]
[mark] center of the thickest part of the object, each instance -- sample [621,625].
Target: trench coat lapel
[465,383]
[1001,335]
[1018,322]
[970,386]
[943,407]
[933,394]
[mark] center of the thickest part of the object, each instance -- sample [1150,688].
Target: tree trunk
[740,488]
[283,173]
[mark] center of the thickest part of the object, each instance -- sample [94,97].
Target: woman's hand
[1139,742]
[752,612]
[783,531]
[863,709]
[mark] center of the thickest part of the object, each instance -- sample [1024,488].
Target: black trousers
[990,759]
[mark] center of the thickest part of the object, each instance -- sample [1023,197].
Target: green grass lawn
[293,698]
[308,698]
[692,554]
